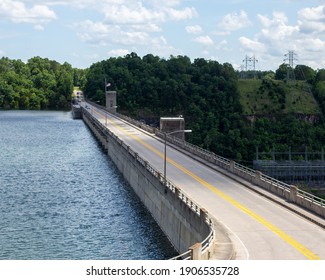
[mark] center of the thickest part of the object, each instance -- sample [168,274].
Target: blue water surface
[62,198]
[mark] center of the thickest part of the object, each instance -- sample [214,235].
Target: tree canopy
[206,93]
[203,91]
[38,84]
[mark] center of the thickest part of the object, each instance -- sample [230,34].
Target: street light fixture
[109,109]
[165,153]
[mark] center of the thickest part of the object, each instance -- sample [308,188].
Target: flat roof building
[170,124]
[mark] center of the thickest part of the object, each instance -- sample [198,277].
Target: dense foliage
[285,124]
[206,93]
[38,84]
[319,89]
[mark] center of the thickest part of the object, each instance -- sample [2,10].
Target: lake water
[62,198]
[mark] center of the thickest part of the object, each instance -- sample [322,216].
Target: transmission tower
[241,70]
[250,64]
[290,59]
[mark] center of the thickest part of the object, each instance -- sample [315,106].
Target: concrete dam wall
[188,227]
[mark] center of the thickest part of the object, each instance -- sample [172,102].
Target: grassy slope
[256,99]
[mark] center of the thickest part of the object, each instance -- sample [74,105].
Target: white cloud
[234,21]
[222,45]
[150,27]
[278,35]
[205,40]
[81,4]
[312,45]
[131,22]
[277,29]
[39,27]
[132,14]
[166,3]
[252,45]
[312,20]
[101,34]
[186,13]
[193,29]
[101,3]
[118,52]
[161,47]
[312,14]
[136,12]
[18,12]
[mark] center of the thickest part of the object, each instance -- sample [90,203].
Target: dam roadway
[258,228]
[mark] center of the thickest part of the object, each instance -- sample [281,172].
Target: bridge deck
[259,227]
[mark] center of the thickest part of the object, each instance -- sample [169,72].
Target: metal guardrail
[226,163]
[208,241]
[245,169]
[275,182]
[184,256]
[312,198]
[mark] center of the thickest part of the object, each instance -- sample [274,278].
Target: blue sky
[82,32]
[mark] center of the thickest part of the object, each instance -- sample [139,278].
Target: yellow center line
[287,238]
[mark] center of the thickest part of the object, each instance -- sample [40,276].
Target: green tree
[305,73]
[281,72]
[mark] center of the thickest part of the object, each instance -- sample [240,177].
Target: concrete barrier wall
[303,199]
[183,222]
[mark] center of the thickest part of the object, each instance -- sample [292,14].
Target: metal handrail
[312,198]
[275,182]
[207,241]
[182,256]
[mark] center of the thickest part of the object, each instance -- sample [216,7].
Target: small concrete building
[76,111]
[111,101]
[169,125]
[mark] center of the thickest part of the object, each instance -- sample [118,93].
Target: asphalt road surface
[259,228]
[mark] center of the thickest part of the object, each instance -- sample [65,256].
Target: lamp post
[111,108]
[165,152]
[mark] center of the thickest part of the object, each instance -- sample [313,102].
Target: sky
[82,32]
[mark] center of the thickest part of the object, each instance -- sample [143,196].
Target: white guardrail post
[293,194]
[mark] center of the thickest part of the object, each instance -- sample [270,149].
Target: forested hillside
[273,97]
[208,95]
[204,92]
[211,97]
[38,84]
